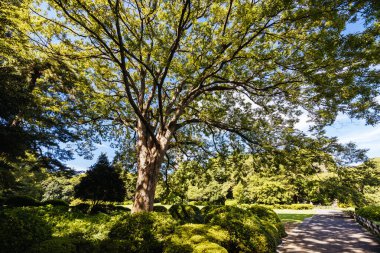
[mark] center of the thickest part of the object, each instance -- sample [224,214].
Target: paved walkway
[329,231]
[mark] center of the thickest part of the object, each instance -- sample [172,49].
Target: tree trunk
[149,161]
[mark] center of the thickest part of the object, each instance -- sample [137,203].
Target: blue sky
[351,130]
[346,129]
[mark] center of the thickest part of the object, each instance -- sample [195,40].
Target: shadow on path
[329,231]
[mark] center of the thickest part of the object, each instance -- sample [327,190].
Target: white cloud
[362,135]
[303,123]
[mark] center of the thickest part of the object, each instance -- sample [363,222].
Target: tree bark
[149,160]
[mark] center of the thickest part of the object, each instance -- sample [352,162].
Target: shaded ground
[329,231]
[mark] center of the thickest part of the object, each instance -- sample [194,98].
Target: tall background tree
[163,76]
[101,183]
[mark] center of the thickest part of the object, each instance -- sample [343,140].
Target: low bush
[205,210]
[18,201]
[369,212]
[20,228]
[197,238]
[160,209]
[55,202]
[186,213]
[295,206]
[76,225]
[143,232]
[70,245]
[247,233]
[268,215]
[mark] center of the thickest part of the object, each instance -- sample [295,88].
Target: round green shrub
[143,232]
[186,213]
[197,238]
[247,233]
[55,202]
[264,213]
[160,209]
[20,200]
[267,214]
[20,228]
[369,212]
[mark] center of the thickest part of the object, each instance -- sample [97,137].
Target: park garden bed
[181,228]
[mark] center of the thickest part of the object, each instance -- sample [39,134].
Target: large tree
[167,74]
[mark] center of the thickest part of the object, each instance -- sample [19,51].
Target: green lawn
[296,216]
[293,217]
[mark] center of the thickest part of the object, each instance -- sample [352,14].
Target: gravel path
[329,231]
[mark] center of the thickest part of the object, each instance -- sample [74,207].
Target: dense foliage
[143,232]
[246,231]
[197,238]
[59,229]
[369,212]
[247,179]
[20,229]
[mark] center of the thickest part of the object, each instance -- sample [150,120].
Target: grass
[293,217]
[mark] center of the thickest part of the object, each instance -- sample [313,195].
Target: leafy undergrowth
[46,229]
[369,212]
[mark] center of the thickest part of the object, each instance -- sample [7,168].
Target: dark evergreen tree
[101,183]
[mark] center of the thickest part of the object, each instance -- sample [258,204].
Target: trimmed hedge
[197,238]
[369,212]
[281,206]
[21,200]
[247,233]
[186,213]
[295,206]
[228,229]
[268,215]
[143,232]
[20,229]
